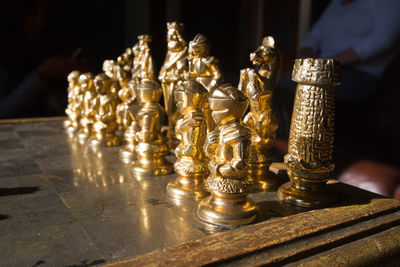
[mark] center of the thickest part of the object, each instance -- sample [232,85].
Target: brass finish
[228,149]
[309,160]
[88,111]
[74,107]
[191,130]
[151,148]
[173,70]
[204,69]
[105,105]
[262,121]
[143,67]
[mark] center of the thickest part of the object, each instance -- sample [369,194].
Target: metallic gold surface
[173,70]
[309,160]
[261,120]
[105,104]
[88,110]
[74,107]
[191,130]
[151,148]
[228,149]
[204,69]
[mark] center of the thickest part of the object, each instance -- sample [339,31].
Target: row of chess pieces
[218,151]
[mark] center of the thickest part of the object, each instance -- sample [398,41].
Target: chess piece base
[263,179]
[227,209]
[317,197]
[107,141]
[152,167]
[187,187]
[127,156]
[83,138]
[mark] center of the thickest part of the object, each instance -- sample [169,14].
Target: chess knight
[173,70]
[74,107]
[262,121]
[191,130]
[88,107]
[228,149]
[151,148]
[106,104]
[204,69]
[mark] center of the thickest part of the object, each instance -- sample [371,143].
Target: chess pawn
[106,102]
[74,105]
[228,149]
[258,86]
[310,154]
[204,69]
[88,107]
[173,70]
[128,118]
[151,148]
[191,130]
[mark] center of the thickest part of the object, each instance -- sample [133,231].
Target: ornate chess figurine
[151,148]
[204,69]
[262,121]
[125,60]
[173,70]
[74,105]
[309,160]
[143,62]
[106,104]
[123,93]
[191,130]
[88,110]
[228,149]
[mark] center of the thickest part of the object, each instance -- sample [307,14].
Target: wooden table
[65,204]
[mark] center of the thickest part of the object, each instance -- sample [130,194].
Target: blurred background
[42,41]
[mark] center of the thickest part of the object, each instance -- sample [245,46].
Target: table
[66,204]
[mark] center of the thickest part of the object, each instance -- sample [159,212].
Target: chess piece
[124,95]
[191,130]
[204,69]
[175,65]
[88,107]
[309,160]
[73,109]
[261,120]
[151,147]
[106,102]
[125,60]
[143,62]
[228,149]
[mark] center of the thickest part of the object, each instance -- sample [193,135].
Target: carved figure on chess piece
[258,86]
[143,62]
[228,148]
[174,68]
[151,148]
[125,60]
[204,69]
[123,94]
[106,104]
[191,130]
[74,105]
[89,109]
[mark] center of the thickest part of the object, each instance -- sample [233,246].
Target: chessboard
[67,204]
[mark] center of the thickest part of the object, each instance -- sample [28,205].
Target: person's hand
[307,52]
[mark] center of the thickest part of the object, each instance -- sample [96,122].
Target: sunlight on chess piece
[309,160]
[204,69]
[151,148]
[258,86]
[106,103]
[88,111]
[173,70]
[74,107]
[191,130]
[228,148]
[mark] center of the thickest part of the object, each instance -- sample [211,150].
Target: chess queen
[151,148]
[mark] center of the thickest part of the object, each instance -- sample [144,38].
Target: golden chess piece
[228,148]
[309,160]
[88,111]
[143,67]
[151,148]
[125,60]
[73,109]
[191,130]
[106,103]
[204,69]
[124,95]
[173,70]
[261,120]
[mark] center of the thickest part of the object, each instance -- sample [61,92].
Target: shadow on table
[4,192]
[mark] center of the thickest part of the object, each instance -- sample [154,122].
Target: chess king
[262,121]
[191,130]
[228,149]
[106,103]
[173,70]
[151,148]
[88,110]
[204,69]
[73,109]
